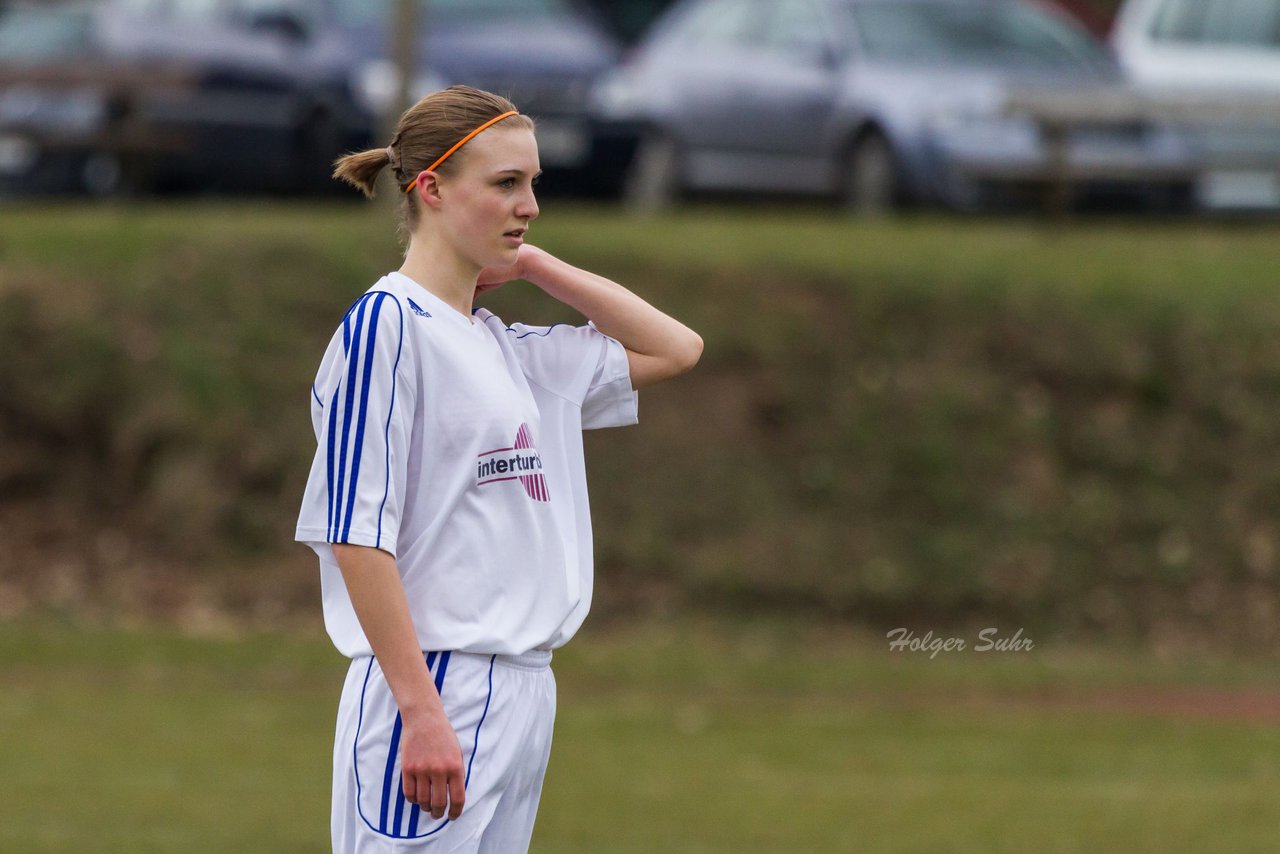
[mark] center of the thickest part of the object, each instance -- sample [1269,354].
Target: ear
[428,188]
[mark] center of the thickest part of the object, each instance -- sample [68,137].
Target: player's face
[489,200]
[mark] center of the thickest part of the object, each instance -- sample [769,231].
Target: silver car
[1222,56]
[876,102]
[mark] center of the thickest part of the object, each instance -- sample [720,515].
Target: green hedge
[920,422]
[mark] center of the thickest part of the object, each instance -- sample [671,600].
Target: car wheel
[1175,199]
[871,176]
[102,174]
[107,174]
[652,182]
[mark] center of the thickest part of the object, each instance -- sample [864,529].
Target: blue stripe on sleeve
[386,435]
[343,482]
[333,414]
[353,359]
[333,429]
[370,356]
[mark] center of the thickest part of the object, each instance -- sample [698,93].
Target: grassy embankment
[936,421]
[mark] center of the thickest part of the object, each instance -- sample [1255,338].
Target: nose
[527,207]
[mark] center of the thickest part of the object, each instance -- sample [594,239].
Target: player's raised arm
[658,346]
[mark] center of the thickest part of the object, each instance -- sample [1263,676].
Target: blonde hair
[426,130]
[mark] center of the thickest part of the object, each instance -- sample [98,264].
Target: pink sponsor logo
[519,462]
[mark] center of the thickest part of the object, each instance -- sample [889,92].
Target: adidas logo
[418,310]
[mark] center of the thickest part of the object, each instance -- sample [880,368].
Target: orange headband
[459,144]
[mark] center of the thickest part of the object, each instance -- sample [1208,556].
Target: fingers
[448,794]
[409,783]
[439,800]
[457,796]
[436,793]
[431,765]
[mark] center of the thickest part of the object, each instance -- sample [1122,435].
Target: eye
[507,183]
[535,181]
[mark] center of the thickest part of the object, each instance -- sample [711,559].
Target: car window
[191,10]
[971,33]
[44,32]
[300,16]
[361,14]
[231,14]
[1238,22]
[486,8]
[185,11]
[144,8]
[724,23]
[796,28]
[246,8]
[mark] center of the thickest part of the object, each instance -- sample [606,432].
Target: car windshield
[970,33]
[45,32]
[1253,23]
[357,14]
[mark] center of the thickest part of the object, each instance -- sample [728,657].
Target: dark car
[105,96]
[874,101]
[543,54]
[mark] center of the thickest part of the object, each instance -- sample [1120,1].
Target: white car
[1214,52]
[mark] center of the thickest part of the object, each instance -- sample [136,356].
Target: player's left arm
[658,346]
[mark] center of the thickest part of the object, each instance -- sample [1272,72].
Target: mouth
[515,232]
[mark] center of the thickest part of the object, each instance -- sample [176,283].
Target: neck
[432,263]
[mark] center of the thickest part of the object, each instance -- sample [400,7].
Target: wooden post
[407,21]
[404,37]
[1057,194]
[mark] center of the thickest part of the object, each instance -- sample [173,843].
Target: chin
[496,259]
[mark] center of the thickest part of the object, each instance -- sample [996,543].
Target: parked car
[1215,51]
[877,102]
[543,54]
[114,95]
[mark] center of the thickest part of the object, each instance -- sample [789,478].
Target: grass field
[695,735]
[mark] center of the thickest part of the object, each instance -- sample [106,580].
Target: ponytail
[361,169]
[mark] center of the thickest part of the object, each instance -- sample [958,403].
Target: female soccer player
[447,500]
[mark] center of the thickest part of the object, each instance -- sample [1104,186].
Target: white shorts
[502,708]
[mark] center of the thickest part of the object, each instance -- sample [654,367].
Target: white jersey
[455,444]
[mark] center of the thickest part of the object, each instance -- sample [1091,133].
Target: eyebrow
[519,173]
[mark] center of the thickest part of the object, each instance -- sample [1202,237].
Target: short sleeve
[362,411]
[582,365]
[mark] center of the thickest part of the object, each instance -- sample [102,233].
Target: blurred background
[988,289]
[1159,105]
